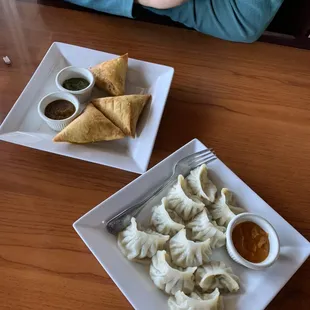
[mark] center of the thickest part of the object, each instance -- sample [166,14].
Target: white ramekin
[266,226]
[76,72]
[58,125]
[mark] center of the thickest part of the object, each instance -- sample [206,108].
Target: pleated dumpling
[170,279]
[187,253]
[201,185]
[216,275]
[224,208]
[202,228]
[137,245]
[162,219]
[182,201]
[196,301]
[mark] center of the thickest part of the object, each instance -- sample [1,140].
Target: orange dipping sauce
[251,242]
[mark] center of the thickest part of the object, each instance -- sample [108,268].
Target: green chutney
[75,84]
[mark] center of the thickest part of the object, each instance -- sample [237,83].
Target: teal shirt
[234,20]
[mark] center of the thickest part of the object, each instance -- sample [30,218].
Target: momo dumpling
[202,228]
[136,244]
[201,185]
[182,201]
[224,208]
[196,301]
[162,221]
[187,253]
[170,279]
[216,275]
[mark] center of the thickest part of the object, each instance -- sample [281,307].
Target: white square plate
[24,126]
[258,288]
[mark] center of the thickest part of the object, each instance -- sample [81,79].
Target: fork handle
[119,222]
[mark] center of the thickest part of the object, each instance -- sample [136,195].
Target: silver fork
[120,221]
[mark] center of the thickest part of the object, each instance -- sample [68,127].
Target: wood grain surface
[251,103]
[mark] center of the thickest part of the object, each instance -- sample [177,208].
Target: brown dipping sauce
[251,242]
[59,109]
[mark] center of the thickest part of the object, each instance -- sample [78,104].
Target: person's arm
[161,4]
[115,7]
[234,20]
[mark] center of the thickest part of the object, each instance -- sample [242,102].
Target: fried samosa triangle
[111,75]
[90,126]
[123,111]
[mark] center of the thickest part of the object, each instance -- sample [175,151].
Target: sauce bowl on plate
[76,81]
[57,117]
[261,232]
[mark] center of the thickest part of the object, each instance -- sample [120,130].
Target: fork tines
[204,156]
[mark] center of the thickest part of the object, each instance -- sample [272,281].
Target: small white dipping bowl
[58,125]
[274,243]
[76,72]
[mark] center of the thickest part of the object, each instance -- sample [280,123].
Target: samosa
[123,111]
[90,126]
[111,75]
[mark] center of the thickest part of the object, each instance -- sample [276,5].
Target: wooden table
[251,103]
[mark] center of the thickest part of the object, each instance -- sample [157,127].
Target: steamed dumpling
[187,253]
[201,185]
[135,244]
[211,301]
[162,221]
[216,275]
[202,228]
[224,208]
[170,279]
[182,201]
